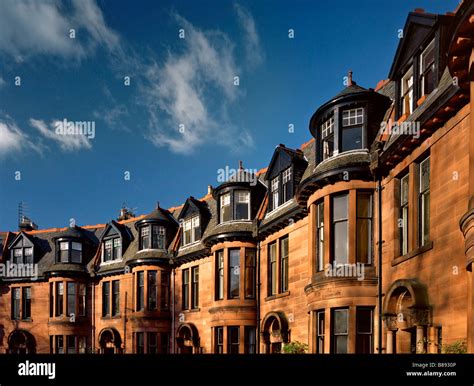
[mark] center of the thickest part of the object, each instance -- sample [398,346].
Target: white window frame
[405,83]
[238,194]
[275,191]
[353,117]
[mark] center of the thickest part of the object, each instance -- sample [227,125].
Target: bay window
[152,290]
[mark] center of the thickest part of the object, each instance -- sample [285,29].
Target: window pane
[220,275]
[340,321]
[226,214]
[250,273]
[351,138]
[284,253]
[165,290]
[340,207]
[106,298]
[250,340]
[242,205]
[71,344]
[272,269]
[328,147]
[152,290]
[158,240]
[140,291]
[340,242]
[320,235]
[195,287]
[71,298]
[26,302]
[185,289]
[234,273]
[233,340]
[115,297]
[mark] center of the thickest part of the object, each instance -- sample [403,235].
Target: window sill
[412,254]
[27,320]
[191,310]
[111,317]
[277,296]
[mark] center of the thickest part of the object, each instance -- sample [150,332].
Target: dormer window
[327,136]
[112,249]
[22,255]
[352,121]
[427,69]
[70,252]
[152,237]
[406,88]
[191,230]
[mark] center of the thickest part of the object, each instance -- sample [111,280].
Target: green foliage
[457,347]
[295,348]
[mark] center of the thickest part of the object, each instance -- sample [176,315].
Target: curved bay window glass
[340,229]
[327,136]
[351,134]
[424,202]
[250,273]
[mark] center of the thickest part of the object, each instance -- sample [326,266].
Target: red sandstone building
[290,254]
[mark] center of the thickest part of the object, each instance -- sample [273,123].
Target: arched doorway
[21,342]
[187,339]
[407,317]
[110,341]
[275,332]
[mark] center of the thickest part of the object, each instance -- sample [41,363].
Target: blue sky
[173,82]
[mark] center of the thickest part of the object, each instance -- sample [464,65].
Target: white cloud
[67,142]
[194,88]
[253,51]
[29,27]
[2,82]
[14,140]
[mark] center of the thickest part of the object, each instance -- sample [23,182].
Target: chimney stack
[349,78]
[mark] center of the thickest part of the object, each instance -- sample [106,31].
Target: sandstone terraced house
[291,254]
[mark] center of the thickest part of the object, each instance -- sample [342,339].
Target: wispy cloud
[253,51]
[189,95]
[67,142]
[13,140]
[2,82]
[29,28]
